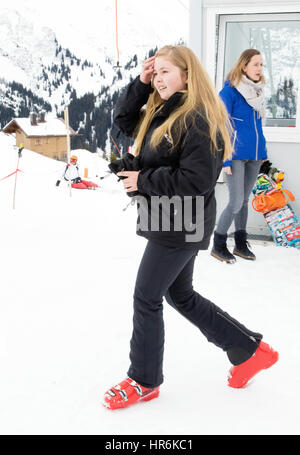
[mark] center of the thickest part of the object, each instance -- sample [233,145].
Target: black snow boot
[220,251]
[241,246]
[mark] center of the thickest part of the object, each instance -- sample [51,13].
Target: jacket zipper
[234,139]
[237,327]
[256,135]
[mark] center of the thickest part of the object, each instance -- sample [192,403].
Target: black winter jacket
[187,172]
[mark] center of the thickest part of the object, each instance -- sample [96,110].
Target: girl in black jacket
[181,140]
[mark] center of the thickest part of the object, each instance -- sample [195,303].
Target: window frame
[213,57]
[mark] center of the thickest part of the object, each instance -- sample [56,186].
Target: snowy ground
[68,267]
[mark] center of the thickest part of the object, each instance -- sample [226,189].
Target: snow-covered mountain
[68,58]
[32,56]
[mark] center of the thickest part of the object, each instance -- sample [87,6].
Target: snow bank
[68,267]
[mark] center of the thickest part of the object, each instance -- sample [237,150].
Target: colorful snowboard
[284,226]
[283,223]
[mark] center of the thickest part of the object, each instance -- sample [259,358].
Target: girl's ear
[185,76]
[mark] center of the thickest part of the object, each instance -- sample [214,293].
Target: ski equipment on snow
[126,393]
[273,201]
[264,357]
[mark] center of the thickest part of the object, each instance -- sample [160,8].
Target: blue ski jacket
[250,143]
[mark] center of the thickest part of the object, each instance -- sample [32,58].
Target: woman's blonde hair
[236,73]
[199,96]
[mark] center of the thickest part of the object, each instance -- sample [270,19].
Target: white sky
[91,23]
[79,11]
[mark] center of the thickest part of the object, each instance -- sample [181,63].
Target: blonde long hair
[200,96]
[236,73]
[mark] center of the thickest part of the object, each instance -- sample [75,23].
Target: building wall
[284,154]
[245,3]
[53,146]
[21,138]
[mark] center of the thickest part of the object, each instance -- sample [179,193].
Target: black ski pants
[168,272]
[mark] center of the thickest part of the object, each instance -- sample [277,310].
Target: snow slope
[68,267]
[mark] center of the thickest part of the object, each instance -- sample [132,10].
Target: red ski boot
[263,358]
[126,393]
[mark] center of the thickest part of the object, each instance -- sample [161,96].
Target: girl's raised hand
[147,70]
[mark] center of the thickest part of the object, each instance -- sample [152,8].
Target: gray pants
[240,184]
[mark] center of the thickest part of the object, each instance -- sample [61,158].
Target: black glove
[117,166]
[265,167]
[127,163]
[57,183]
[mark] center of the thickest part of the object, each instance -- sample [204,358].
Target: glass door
[277,37]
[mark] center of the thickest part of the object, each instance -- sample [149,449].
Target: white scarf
[253,94]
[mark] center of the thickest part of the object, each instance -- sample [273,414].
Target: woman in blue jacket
[244,100]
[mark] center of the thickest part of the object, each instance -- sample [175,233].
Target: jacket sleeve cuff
[227,163]
[140,182]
